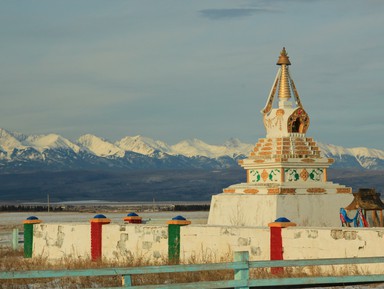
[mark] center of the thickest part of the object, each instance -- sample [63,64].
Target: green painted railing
[241,267]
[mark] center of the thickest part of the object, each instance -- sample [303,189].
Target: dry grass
[13,261]
[7,228]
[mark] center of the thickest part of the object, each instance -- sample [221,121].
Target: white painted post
[15,238]
[242,274]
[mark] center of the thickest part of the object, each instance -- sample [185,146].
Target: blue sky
[173,70]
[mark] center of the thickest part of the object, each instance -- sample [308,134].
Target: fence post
[242,274]
[126,281]
[15,238]
[276,241]
[97,235]
[28,235]
[133,218]
[174,238]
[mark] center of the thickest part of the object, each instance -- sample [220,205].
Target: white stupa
[286,175]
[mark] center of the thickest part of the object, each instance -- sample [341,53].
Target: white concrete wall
[119,242]
[66,240]
[130,242]
[318,243]
[242,210]
[217,243]
[314,210]
[204,243]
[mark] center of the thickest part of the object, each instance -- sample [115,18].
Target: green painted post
[242,274]
[15,238]
[174,238]
[28,240]
[173,243]
[28,235]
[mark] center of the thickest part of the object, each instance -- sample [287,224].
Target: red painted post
[133,218]
[276,241]
[96,235]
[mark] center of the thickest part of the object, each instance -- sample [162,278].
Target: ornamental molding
[251,191]
[343,190]
[316,190]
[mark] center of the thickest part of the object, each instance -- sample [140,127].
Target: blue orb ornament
[132,214]
[282,220]
[179,218]
[100,216]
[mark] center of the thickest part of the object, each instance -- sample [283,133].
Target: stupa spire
[284,85]
[283,58]
[286,118]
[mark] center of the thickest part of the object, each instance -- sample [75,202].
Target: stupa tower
[286,174]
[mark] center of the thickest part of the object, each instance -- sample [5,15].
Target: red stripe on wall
[276,248]
[96,240]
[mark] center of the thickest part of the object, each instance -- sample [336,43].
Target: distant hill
[146,185]
[20,152]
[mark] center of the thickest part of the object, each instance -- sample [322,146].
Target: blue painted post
[241,274]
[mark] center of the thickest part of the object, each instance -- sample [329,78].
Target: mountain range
[20,152]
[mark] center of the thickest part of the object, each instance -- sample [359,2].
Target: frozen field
[10,219]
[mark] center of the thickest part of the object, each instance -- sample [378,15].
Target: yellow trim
[132,218]
[101,220]
[281,224]
[179,222]
[32,221]
[251,191]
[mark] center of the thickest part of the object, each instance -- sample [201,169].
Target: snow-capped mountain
[18,151]
[9,142]
[99,146]
[196,147]
[354,157]
[142,145]
[50,141]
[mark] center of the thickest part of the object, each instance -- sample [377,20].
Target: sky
[174,70]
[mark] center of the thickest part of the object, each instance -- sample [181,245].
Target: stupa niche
[286,174]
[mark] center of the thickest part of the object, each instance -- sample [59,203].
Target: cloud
[218,14]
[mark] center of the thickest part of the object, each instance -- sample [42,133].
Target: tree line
[192,208]
[29,208]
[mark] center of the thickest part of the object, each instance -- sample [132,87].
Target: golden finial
[283,58]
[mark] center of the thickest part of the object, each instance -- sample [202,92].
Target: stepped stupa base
[314,210]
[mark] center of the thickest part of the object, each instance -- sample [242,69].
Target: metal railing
[13,239]
[241,267]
